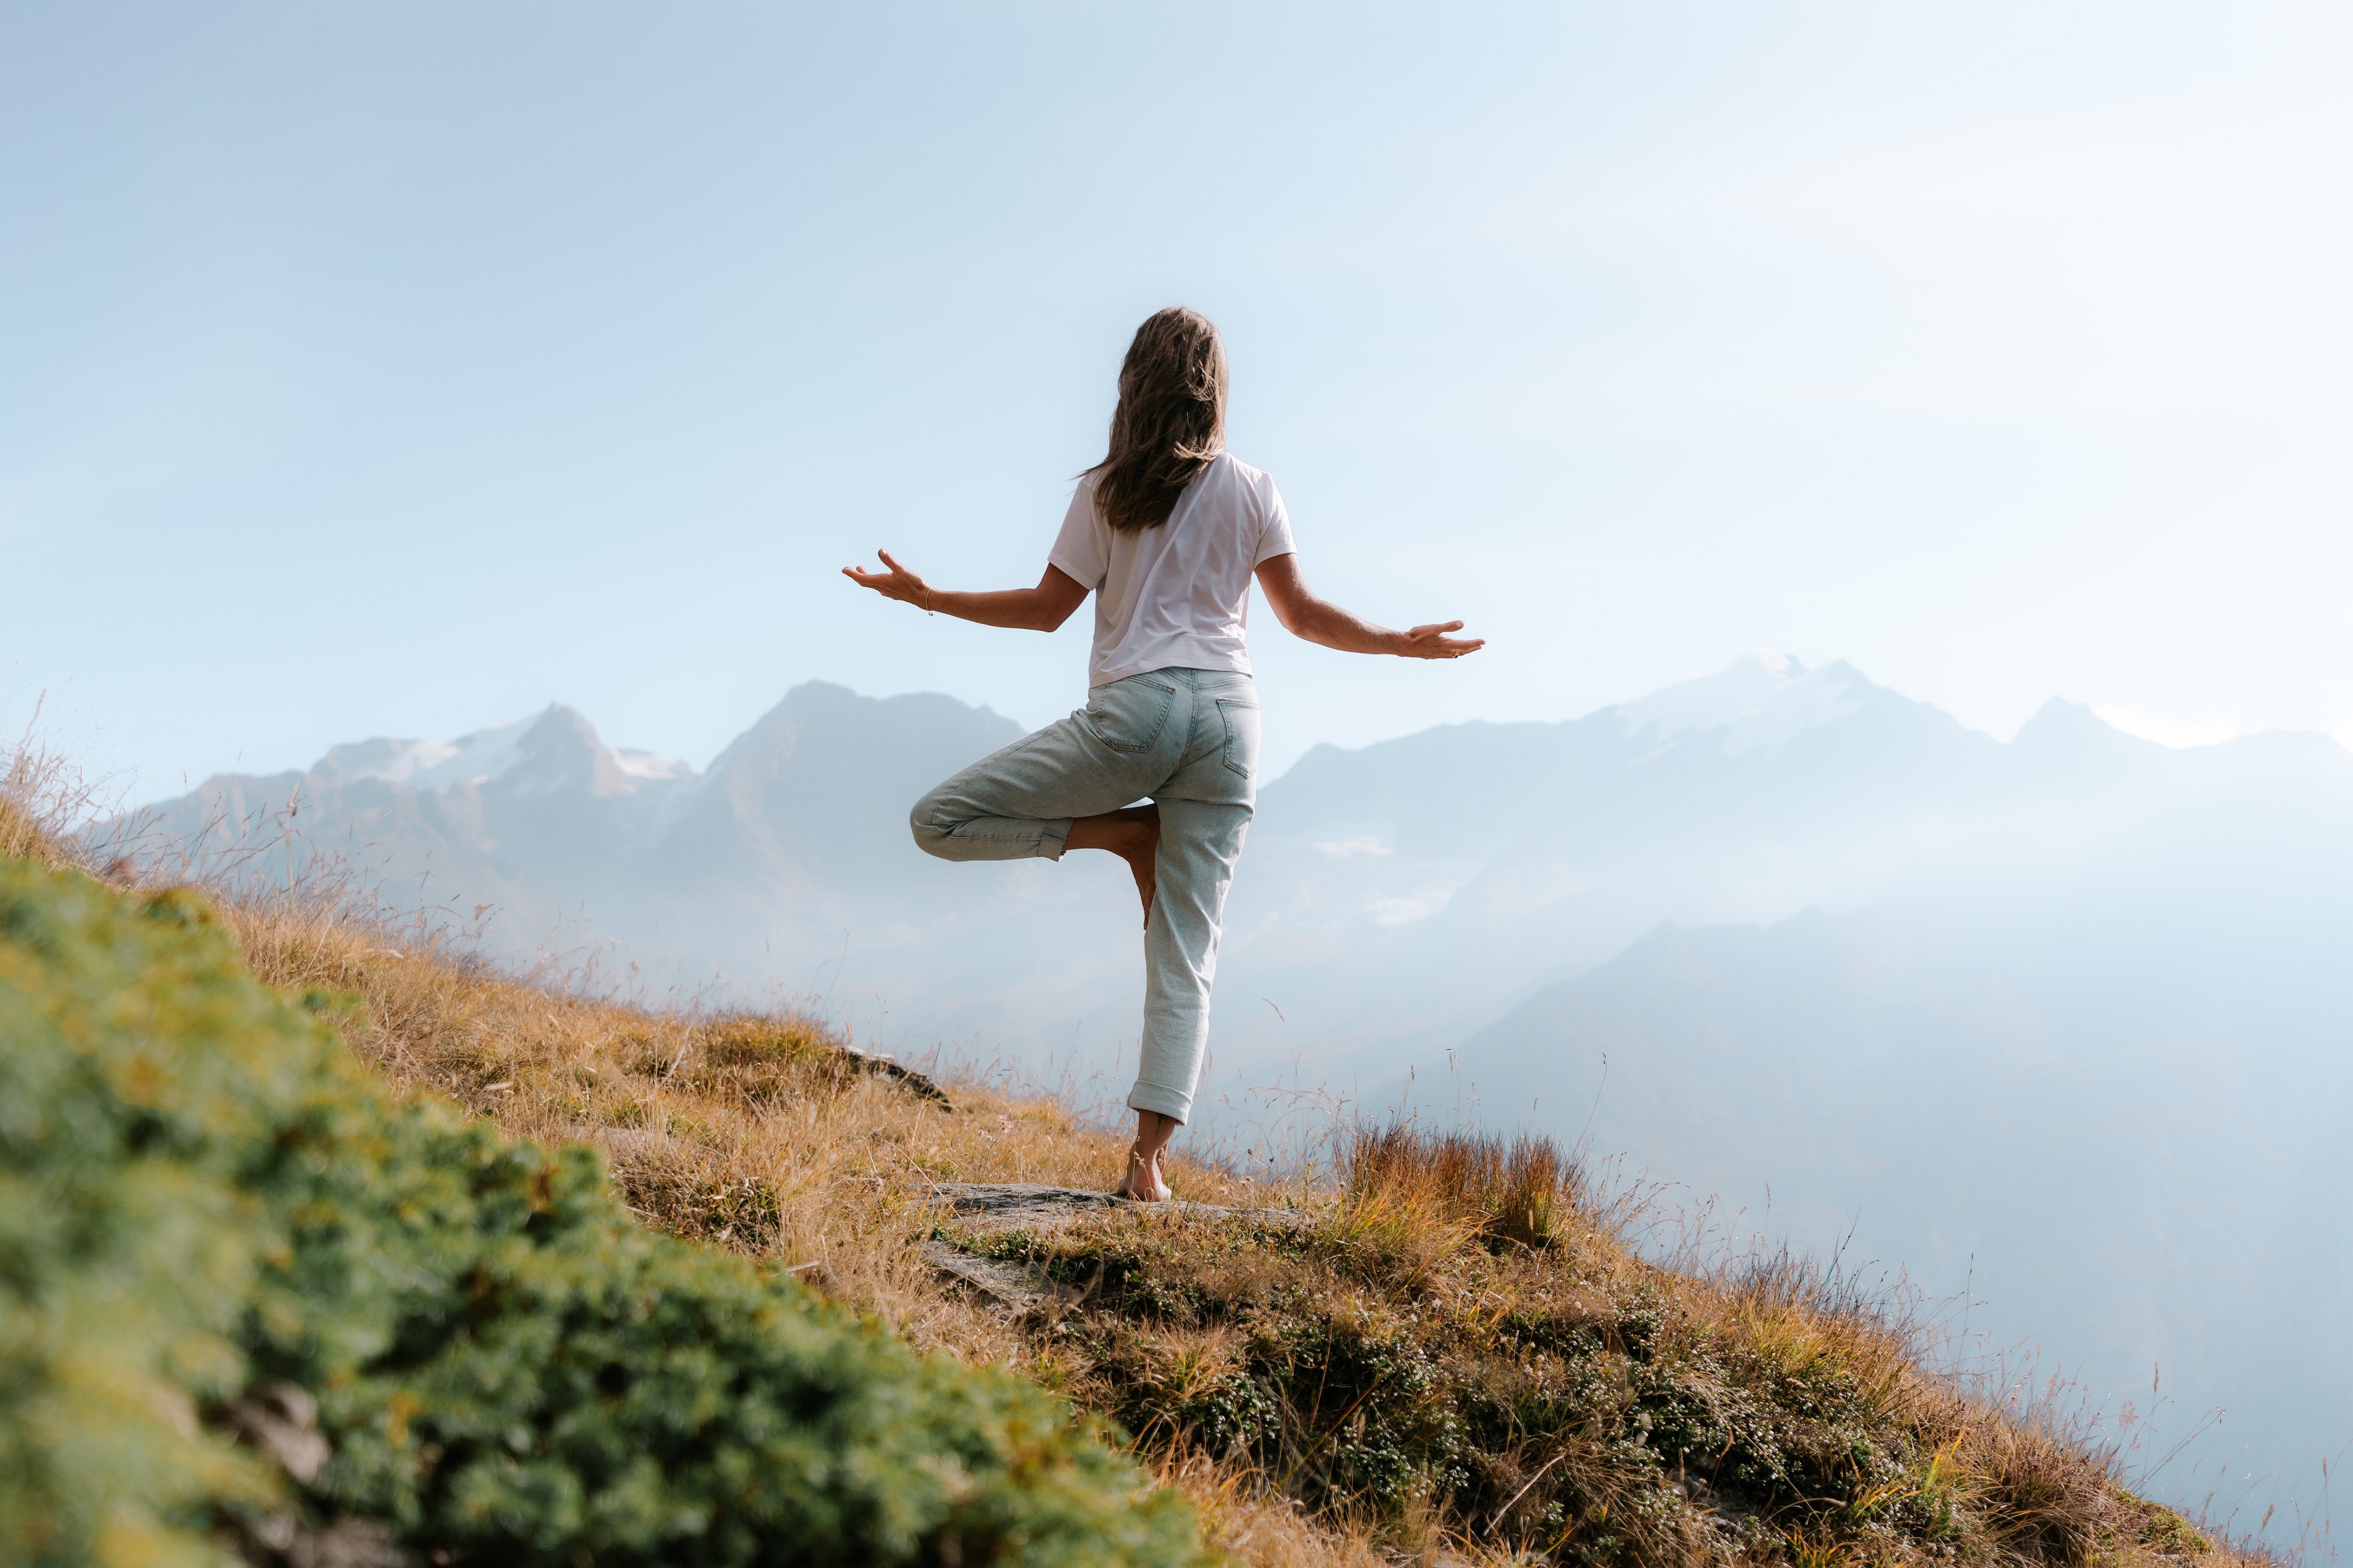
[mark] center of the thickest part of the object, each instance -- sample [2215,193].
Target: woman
[1167,533]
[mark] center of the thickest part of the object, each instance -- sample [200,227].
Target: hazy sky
[374,369]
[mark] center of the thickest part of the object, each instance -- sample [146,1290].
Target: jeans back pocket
[1129,715]
[1242,720]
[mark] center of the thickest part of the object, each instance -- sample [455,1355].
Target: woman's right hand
[896,583]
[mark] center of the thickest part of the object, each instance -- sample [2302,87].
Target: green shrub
[201,1191]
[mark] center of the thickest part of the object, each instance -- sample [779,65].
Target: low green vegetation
[456,1346]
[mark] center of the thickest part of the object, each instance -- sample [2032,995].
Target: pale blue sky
[394,369]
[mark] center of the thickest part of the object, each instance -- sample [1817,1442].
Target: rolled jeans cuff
[1172,1103]
[997,839]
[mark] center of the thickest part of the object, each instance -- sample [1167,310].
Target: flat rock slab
[995,1206]
[1013,1285]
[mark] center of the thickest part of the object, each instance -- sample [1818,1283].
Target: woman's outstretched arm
[1040,609]
[1303,614]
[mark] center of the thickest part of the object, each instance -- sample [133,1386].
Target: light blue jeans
[1188,739]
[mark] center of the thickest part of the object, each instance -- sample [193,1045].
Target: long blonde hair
[1171,419]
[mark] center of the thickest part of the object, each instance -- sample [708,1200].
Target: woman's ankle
[1143,1180]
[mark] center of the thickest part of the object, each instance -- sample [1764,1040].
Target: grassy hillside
[1452,1356]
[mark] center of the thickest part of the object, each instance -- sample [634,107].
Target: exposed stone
[920,1084]
[1013,1285]
[993,1208]
[282,1421]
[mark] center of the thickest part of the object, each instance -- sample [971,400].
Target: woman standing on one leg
[1166,531]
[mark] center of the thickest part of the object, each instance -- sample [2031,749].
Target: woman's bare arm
[1303,614]
[1040,609]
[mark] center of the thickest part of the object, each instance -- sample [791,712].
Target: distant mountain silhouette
[570,837]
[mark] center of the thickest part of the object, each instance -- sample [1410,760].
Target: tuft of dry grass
[1441,1191]
[43,798]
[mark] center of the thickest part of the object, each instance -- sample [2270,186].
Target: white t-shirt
[1179,593]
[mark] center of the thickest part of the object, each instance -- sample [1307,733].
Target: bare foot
[1142,1183]
[1132,833]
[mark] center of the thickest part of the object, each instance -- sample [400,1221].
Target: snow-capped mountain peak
[641,764]
[1760,703]
[436,765]
[487,755]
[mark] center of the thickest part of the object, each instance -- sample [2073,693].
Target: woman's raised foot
[1132,833]
[1144,859]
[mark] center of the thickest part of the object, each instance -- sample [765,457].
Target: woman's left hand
[896,583]
[1431,641]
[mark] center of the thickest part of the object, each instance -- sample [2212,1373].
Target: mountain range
[2059,1027]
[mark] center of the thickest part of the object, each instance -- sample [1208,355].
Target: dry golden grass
[757,1134]
[754,1133]
[41,796]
